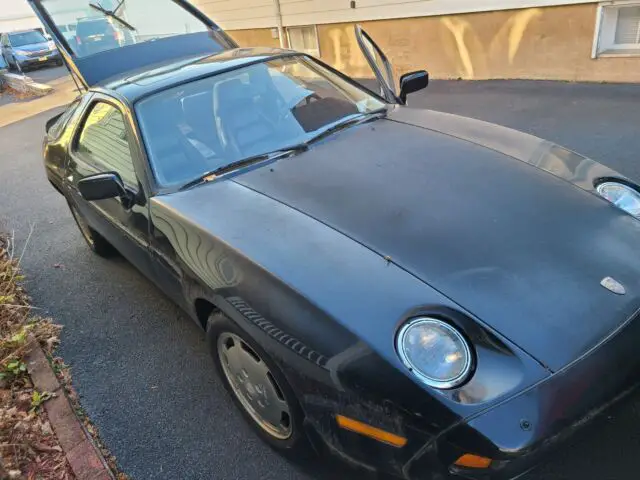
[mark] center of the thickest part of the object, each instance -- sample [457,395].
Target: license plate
[42,59]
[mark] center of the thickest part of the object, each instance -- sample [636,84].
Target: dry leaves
[18,95]
[28,447]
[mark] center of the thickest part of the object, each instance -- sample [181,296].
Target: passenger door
[379,63]
[104,143]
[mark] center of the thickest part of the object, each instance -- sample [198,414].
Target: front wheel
[258,387]
[96,242]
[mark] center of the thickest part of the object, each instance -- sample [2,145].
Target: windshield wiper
[115,10]
[245,162]
[350,122]
[113,15]
[302,147]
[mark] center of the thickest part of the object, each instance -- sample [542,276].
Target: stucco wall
[259,37]
[537,43]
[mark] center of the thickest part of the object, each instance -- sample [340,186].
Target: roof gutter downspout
[281,33]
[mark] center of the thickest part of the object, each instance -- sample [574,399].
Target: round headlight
[435,352]
[622,196]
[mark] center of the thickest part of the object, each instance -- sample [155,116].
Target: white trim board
[245,15]
[606,24]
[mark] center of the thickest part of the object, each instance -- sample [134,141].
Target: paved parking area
[48,74]
[141,367]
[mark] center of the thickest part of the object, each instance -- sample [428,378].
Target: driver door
[106,143]
[379,63]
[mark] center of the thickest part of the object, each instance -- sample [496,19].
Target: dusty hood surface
[522,249]
[34,47]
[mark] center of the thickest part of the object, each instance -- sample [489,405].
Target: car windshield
[210,123]
[26,38]
[109,24]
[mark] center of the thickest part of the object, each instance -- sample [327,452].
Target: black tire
[96,242]
[297,445]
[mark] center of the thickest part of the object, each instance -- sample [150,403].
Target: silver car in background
[28,48]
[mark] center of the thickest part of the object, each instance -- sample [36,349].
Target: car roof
[137,84]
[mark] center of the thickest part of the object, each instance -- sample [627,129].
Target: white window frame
[605,31]
[316,52]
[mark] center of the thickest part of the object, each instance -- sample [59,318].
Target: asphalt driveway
[48,74]
[142,368]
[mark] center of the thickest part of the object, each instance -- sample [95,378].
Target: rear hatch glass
[116,36]
[94,27]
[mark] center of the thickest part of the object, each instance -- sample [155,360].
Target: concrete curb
[22,83]
[85,459]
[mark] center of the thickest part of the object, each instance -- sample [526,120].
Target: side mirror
[102,186]
[52,121]
[413,82]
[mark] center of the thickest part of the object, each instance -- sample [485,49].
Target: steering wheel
[286,112]
[308,100]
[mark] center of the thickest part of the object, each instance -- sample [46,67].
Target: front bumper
[517,434]
[48,59]
[520,433]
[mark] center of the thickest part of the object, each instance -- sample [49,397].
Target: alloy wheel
[255,386]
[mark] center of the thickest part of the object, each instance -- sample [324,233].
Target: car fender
[325,293]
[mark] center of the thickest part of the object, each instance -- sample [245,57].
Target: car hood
[500,222]
[34,47]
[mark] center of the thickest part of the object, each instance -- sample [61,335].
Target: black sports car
[418,293]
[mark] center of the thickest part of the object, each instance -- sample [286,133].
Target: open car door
[383,71]
[379,63]
[113,37]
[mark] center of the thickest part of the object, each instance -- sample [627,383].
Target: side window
[60,124]
[104,140]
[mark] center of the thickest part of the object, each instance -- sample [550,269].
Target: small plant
[20,338]
[13,369]
[7,299]
[38,398]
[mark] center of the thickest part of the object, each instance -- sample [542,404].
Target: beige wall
[537,43]
[259,37]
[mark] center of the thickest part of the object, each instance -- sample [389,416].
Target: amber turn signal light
[371,432]
[469,460]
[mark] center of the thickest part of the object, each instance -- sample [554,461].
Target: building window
[304,39]
[618,30]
